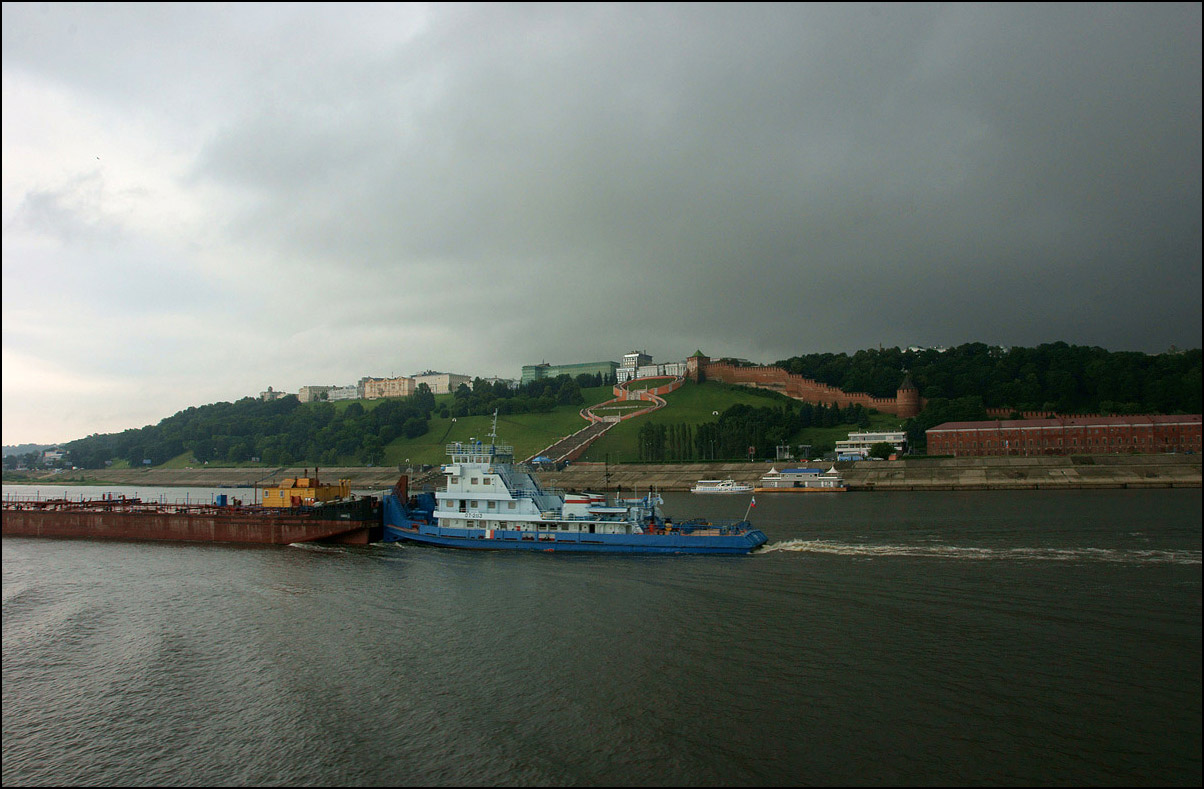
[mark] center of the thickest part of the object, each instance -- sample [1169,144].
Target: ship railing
[477,452]
[536,494]
[609,517]
[127,504]
[525,493]
[715,527]
[507,477]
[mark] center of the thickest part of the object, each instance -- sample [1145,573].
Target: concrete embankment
[1027,473]
[995,473]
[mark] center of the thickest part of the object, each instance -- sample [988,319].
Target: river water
[977,638]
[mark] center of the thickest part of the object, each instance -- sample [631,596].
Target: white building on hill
[858,444]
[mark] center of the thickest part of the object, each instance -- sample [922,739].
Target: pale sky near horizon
[201,201]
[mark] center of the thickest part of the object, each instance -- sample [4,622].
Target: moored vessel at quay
[802,480]
[331,515]
[720,486]
[489,503]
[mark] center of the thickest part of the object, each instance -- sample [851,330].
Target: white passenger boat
[720,486]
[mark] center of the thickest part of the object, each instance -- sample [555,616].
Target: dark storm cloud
[893,174]
[582,180]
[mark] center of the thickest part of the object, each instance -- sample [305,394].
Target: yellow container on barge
[305,491]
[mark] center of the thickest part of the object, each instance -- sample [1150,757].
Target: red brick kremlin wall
[906,403]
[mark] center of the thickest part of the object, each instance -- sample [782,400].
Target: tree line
[286,432]
[534,397]
[275,432]
[1050,377]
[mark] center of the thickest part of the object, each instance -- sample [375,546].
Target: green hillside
[693,404]
[710,420]
[703,420]
[527,433]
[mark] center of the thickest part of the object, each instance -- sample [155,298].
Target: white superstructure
[486,491]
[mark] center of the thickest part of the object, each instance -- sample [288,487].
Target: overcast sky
[203,201]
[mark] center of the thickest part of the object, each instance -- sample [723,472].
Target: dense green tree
[423,400]
[882,450]
[568,392]
[372,450]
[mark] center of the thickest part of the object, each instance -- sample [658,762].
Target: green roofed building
[533,372]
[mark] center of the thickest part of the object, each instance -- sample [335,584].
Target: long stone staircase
[570,447]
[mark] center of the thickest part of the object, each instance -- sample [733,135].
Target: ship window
[511,504]
[474,480]
[454,480]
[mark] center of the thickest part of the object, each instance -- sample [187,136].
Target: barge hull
[565,543]
[186,528]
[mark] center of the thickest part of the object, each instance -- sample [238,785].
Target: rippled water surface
[1030,637]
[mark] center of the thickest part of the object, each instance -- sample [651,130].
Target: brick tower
[908,398]
[696,366]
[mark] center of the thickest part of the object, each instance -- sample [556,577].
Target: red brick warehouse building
[1070,435]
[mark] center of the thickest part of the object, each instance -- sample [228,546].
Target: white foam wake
[312,546]
[985,554]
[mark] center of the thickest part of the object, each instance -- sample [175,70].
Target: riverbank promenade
[920,473]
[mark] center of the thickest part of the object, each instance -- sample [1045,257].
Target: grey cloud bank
[202,201]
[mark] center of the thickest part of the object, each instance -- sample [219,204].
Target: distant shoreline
[908,474]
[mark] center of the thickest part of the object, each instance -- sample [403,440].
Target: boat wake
[317,548]
[1123,556]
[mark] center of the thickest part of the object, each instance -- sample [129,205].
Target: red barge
[310,517]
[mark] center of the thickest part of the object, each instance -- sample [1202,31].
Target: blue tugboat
[488,503]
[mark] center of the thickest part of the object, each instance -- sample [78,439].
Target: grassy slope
[694,404]
[528,433]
